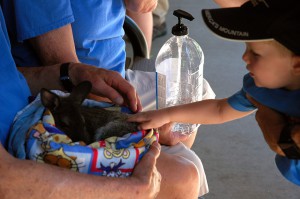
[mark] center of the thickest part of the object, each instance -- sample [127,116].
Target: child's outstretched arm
[212,111]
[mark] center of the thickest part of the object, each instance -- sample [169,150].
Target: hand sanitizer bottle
[179,67]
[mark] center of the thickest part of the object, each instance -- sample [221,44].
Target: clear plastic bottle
[179,66]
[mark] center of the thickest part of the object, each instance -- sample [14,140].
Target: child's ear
[297,65]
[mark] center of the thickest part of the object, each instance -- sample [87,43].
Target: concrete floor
[237,161]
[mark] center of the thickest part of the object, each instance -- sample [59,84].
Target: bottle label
[160,91]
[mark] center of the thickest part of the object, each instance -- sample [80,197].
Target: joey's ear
[81,91]
[49,100]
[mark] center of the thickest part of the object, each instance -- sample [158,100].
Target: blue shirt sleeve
[290,169]
[240,102]
[47,15]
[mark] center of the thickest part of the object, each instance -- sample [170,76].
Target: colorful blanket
[34,136]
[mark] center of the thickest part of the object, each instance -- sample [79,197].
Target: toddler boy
[271,30]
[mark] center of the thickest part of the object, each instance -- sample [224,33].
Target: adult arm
[105,82]
[141,6]
[230,3]
[28,179]
[145,23]
[55,46]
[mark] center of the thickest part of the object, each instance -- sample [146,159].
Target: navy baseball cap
[258,20]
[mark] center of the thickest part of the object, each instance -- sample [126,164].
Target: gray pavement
[237,161]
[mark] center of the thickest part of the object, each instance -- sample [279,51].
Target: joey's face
[70,121]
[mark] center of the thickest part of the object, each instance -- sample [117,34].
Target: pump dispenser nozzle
[180,29]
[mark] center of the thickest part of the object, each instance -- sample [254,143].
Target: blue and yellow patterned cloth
[43,142]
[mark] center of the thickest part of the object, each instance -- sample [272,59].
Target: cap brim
[236,24]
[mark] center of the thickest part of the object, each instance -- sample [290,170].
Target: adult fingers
[107,83]
[147,172]
[113,86]
[128,93]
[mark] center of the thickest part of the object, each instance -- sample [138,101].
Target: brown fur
[83,123]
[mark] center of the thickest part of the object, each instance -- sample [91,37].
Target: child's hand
[158,119]
[150,119]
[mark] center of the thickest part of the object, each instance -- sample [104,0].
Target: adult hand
[141,6]
[107,83]
[61,183]
[272,124]
[147,174]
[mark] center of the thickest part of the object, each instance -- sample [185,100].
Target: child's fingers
[146,120]
[145,126]
[138,117]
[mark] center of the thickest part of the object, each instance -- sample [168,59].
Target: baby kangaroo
[81,123]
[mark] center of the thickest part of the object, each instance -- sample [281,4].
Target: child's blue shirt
[282,100]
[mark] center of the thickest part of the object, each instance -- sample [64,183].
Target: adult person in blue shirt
[270,29]
[27,179]
[91,32]
[96,27]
